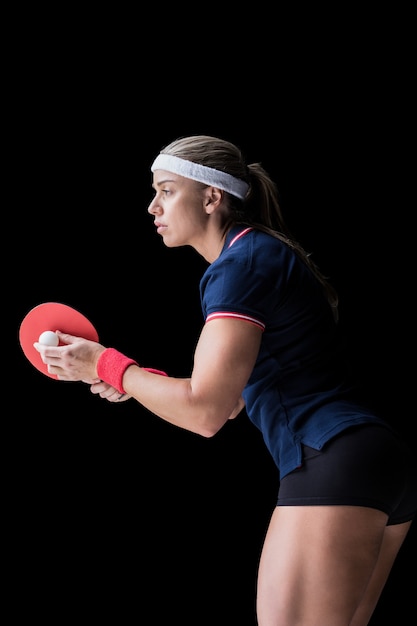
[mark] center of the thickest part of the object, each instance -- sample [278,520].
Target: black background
[113,512]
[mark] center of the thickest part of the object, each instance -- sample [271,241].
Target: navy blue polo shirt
[298,392]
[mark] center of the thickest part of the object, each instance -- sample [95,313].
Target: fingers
[107,392]
[66,338]
[117,397]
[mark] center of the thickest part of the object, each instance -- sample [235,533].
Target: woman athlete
[270,342]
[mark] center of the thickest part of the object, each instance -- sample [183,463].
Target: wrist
[111,366]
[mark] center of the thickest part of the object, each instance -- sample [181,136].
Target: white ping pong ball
[48,338]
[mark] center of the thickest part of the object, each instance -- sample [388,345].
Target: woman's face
[178,208]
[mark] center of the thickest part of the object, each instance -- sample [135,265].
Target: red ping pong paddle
[52,316]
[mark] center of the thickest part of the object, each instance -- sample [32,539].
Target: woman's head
[252,197]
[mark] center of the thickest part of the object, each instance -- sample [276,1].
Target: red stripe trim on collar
[239,235]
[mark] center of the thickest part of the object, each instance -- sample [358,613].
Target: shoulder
[248,274]
[258,251]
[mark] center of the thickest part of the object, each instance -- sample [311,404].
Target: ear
[213,199]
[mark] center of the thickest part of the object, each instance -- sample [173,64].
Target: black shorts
[365,465]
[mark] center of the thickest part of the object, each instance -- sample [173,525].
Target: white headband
[201,173]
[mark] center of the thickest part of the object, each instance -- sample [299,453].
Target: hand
[74,361]
[107,392]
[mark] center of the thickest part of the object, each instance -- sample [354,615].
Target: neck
[210,245]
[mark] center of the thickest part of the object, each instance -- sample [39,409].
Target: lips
[159,227]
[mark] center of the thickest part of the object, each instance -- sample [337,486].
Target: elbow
[208,424]
[209,413]
[209,432]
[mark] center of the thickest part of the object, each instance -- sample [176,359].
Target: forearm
[173,400]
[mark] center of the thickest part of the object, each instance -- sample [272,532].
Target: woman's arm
[223,361]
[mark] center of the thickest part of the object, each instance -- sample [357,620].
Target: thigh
[393,539]
[316,562]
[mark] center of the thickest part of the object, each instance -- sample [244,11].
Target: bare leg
[392,542]
[324,565]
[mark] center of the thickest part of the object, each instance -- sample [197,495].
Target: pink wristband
[111,366]
[154,371]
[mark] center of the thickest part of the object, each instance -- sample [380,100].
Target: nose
[153,208]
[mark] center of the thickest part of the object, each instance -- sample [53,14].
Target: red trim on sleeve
[238,316]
